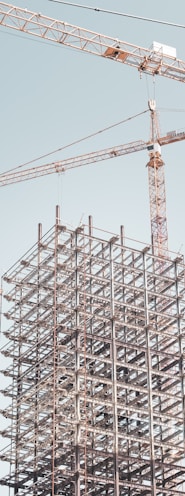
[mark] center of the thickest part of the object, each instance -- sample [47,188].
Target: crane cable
[123,14]
[75,142]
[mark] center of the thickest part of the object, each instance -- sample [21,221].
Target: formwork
[96,368]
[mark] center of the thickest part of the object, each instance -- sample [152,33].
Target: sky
[52,96]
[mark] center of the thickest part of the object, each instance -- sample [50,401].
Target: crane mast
[156,174]
[157,193]
[151,61]
[36,454]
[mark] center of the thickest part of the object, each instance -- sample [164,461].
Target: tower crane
[156,175]
[159,59]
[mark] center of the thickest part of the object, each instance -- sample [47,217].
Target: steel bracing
[96,353]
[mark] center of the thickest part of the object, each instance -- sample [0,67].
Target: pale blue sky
[52,96]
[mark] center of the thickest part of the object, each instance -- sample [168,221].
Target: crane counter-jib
[154,60]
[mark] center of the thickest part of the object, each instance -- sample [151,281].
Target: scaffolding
[96,351]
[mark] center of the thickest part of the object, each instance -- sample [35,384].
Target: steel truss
[150,61]
[97,379]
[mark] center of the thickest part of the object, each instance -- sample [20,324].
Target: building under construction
[96,355]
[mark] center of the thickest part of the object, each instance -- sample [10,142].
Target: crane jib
[154,60]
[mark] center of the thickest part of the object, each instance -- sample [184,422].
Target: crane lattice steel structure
[156,175]
[150,61]
[61,166]
[96,345]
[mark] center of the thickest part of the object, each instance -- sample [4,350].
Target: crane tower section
[157,193]
[157,196]
[95,366]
